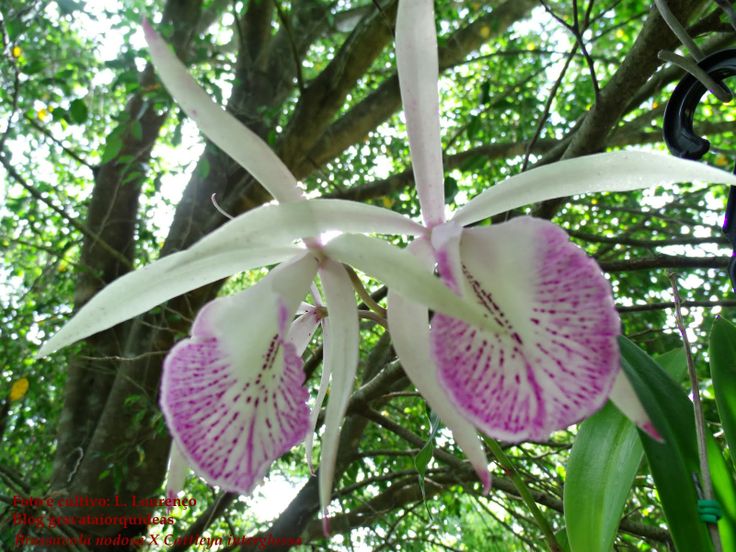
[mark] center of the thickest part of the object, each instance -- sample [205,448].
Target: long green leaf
[602,466]
[675,460]
[723,372]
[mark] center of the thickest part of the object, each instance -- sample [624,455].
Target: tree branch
[380,104]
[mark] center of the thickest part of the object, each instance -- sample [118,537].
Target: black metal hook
[682,140]
[678,116]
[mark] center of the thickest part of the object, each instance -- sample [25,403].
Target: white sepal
[618,171]
[291,221]
[168,277]
[341,358]
[229,134]
[409,326]
[177,473]
[403,273]
[418,69]
[625,399]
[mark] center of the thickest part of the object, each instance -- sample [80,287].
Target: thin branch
[664,261]
[670,304]
[83,229]
[510,469]
[707,482]
[547,107]
[716,88]
[59,143]
[364,295]
[677,28]
[620,240]
[294,51]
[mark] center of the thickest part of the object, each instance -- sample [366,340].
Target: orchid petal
[307,324]
[168,277]
[618,171]
[341,358]
[558,359]
[303,328]
[624,397]
[177,474]
[446,244]
[418,68]
[399,270]
[229,134]
[288,222]
[409,326]
[232,394]
[324,383]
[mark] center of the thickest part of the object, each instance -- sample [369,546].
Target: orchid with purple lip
[523,341]
[232,394]
[556,361]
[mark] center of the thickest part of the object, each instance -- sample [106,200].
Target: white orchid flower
[556,360]
[232,394]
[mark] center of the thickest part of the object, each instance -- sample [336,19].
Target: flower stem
[363,293]
[524,493]
[707,483]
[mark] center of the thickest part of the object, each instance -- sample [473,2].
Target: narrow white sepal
[229,134]
[624,397]
[341,356]
[409,326]
[168,277]
[287,222]
[178,470]
[418,68]
[403,273]
[324,383]
[302,329]
[618,171]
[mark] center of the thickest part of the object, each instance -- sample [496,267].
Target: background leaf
[723,372]
[673,461]
[603,463]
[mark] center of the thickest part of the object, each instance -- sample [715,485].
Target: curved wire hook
[682,140]
[679,135]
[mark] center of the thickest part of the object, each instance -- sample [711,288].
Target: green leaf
[723,372]
[68,6]
[59,114]
[33,67]
[78,111]
[563,541]
[421,460]
[136,130]
[474,127]
[485,93]
[112,149]
[674,362]
[450,188]
[603,463]
[13,27]
[675,460]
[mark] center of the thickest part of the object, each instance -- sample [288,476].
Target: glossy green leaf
[603,463]
[673,462]
[723,372]
[674,362]
[563,541]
